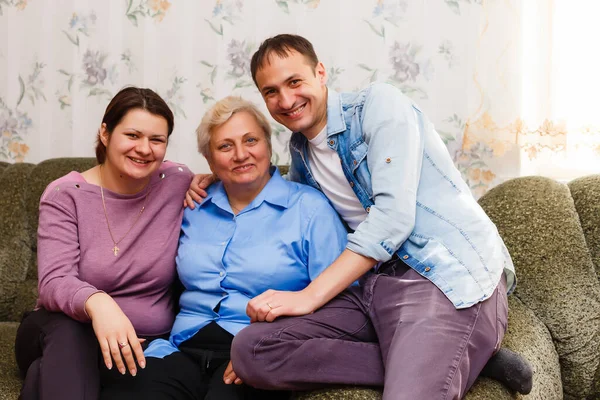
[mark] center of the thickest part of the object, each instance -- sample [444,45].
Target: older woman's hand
[230,376]
[197,191]
[274,303]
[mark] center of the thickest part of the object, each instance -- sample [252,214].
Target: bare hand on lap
[230,376]
[274,303]
[197,190]
[115,334]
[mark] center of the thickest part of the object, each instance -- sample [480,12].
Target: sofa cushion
[586,195]
[10,382]
[537,219]
[15,243]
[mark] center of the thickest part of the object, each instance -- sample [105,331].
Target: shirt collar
[275,192]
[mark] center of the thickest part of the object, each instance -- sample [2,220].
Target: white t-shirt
[326,168]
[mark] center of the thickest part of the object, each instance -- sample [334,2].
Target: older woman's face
[239,152]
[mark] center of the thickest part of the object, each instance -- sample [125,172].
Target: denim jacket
[417,204]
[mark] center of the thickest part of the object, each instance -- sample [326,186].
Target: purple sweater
[75,258]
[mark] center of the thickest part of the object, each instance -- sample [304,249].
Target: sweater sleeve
[59,286]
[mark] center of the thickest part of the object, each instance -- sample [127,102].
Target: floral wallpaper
[455,58]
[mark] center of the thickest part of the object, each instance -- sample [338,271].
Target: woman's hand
[230,376]
[274,303]
[197,191]
[115,334]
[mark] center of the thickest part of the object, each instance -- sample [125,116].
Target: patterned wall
[61,61]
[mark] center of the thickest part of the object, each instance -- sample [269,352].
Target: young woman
[107,241]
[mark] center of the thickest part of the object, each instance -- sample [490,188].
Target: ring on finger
[270,306]
[123,344]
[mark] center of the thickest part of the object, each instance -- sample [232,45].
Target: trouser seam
[462,352]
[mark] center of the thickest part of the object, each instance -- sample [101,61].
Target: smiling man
[431,306]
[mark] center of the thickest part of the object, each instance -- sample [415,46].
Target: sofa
[552,231]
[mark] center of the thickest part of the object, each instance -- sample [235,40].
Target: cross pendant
[115,250]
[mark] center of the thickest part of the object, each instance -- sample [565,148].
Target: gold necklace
[116,249]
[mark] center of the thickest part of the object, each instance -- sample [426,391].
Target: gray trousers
[395,330]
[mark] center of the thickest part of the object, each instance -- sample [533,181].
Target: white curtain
[497,78]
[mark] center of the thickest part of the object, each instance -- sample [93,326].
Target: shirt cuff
[78,303]
[378,252]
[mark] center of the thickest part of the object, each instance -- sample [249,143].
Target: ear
[104,135]
[321,73]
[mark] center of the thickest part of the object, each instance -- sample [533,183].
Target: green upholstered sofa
[552,231]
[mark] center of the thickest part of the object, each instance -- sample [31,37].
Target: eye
[295,82]
[268,92]
[224,147]
[158,140]
[252,140]
[131,135]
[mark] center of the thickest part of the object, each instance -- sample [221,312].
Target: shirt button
[354,162]
[427,269]
[332,142]
[162,176]
[368,209]
[221,273]
[223,294]
[352,184]
[405,257]
[388,160]
[180,169]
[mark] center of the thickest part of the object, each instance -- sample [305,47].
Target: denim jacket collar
[335,121]
[335,113]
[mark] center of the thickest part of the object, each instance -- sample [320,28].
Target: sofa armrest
[528,336]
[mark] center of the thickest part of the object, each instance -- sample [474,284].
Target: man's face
[295,93]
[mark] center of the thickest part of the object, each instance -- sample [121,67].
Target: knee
[63,330]
[249,360]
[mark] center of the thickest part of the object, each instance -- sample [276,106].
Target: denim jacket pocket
[358,152]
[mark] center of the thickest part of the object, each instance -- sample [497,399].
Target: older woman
[255,231]
[107,240]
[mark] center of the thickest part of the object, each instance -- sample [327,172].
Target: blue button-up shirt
[282,240]
[418,206]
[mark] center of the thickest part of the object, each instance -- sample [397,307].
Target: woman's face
[239,153]
[137,145]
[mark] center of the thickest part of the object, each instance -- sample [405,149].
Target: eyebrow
[152,135]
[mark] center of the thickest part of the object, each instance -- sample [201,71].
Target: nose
[286,99]
[143,146]
[240,153]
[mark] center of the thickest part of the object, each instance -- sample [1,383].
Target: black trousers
[194,373]
[59,358]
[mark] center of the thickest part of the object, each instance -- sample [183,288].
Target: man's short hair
[282,45]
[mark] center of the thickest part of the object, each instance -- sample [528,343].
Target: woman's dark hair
[131,98]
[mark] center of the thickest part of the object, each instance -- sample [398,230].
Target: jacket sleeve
[392,128]
[59,285]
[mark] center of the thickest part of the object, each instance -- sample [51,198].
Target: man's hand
[115,334]
[273,303]
[197,191]
[230,377]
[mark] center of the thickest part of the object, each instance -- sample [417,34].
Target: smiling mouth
[138,161]
[243,168]
[296,112]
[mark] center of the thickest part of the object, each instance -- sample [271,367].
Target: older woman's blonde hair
[220,113]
